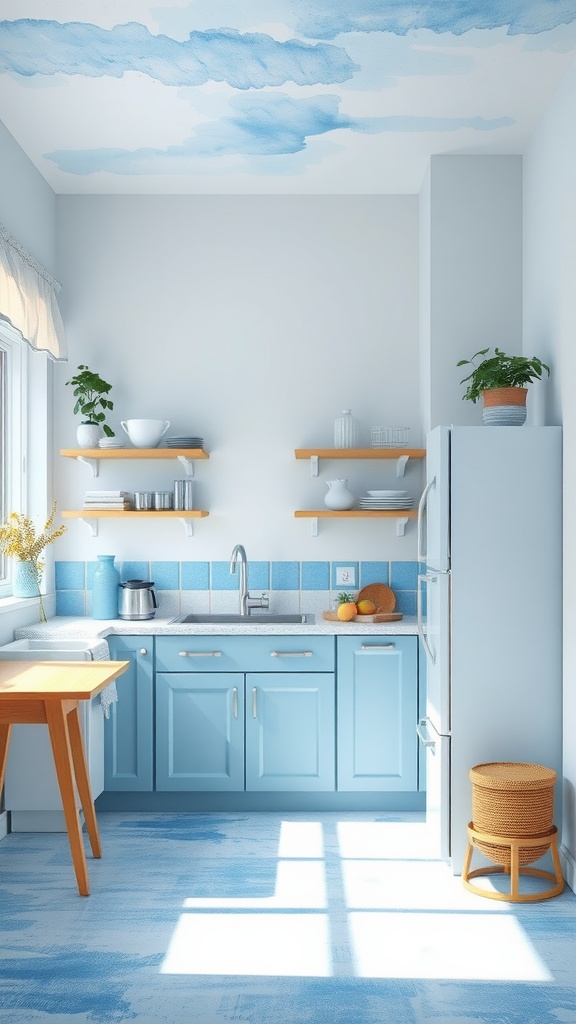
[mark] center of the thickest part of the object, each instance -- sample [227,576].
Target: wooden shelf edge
[407,513]
[117,513]
[134,453]
[359,453]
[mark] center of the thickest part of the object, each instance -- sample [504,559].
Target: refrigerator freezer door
[437,789]
[434,630]
[436,511]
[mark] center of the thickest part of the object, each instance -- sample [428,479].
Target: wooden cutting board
[377,617]
[381,595]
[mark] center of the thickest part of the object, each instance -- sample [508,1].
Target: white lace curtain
[28,298]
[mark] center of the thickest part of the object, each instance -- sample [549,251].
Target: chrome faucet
[247,603]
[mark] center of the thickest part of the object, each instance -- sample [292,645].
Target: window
[13,412]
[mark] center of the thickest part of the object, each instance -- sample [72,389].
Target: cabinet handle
[376,647]
[235,701]
[290,654]
[254,703]
[142,651]
[199,654]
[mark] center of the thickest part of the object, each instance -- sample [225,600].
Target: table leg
[4,744]
[61,749]
[83,780]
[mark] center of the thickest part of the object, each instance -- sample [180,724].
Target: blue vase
[105,589]
[26,580]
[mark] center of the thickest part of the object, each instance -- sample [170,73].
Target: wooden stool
[512,826]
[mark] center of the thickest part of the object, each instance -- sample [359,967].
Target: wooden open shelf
[134,453]
[359,453]
[400,515]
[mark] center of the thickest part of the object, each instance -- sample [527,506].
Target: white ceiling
[273,96]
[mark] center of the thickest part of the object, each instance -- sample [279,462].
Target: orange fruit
[347,611]
[366,607]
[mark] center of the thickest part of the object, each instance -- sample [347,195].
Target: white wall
[252,321]
[549,331]
[471,266]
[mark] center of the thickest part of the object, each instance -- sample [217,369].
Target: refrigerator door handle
[421,554]
[425,740]
[423,578]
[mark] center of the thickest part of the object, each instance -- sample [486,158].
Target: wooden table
[47,692]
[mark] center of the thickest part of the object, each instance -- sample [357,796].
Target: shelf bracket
[314,526]
[400,524]
[91,463]
[187,464]
[401,465]
[314,467]
[187,524]
[92,525]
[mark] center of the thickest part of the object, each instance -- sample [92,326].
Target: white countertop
[69,628]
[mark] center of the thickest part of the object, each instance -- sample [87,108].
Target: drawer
[196,653]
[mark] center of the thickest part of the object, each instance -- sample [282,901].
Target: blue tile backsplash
[186,586]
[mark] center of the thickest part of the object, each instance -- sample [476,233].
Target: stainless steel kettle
[137,600]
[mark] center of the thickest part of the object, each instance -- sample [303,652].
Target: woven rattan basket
[513,800]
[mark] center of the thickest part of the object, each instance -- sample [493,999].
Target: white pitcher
[339,497]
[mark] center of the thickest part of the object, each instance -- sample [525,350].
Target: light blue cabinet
[377,699]
[290,731]
[129,731]
[199,731]
[233,713]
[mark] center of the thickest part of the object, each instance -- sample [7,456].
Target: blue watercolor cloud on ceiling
[326,19]
[244,61]
[269,124]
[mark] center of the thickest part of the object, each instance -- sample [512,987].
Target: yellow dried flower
[18,537]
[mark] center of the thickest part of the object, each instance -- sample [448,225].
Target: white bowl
[145,433]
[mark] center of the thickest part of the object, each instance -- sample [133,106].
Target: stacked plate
[184,441]
[110,442]
[386,500]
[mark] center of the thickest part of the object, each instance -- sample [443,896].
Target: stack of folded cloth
[107,500]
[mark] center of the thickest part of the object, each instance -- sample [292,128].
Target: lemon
[366,607]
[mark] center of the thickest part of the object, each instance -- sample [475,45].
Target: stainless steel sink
[255,619]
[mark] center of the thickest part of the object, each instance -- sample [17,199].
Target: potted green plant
[90,392]
[500,381]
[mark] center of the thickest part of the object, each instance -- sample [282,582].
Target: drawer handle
[254,702]
[199,654]
[235,701]
[377,647]
[290,654]
[143,651]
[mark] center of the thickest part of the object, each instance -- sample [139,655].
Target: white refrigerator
[489,612]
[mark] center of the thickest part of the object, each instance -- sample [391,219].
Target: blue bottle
[105,589]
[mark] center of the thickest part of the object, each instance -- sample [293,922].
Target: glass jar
[346,430]
[105,589]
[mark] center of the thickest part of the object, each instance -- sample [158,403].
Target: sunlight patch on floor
[472,947]
[281,945]
[409,885]
[384,840]
[301,839]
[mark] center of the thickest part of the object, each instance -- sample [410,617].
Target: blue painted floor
[268,918]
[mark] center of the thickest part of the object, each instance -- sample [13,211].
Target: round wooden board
[382,596]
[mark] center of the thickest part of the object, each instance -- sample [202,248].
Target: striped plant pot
[504,407]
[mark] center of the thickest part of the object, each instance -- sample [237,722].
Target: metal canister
[163,499]
[143,500]
[184,495]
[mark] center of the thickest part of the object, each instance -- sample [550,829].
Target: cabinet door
[128,732]
[290,731]
[199,731]
[377,713]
